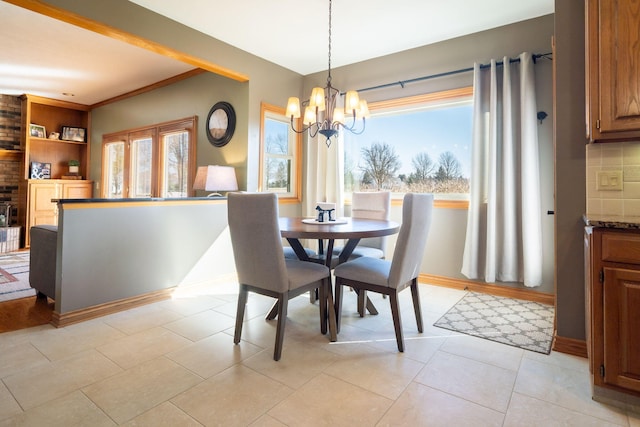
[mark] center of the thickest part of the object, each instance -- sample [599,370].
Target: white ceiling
[294,33]
[53,57]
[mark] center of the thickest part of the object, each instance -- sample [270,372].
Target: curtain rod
[449,73]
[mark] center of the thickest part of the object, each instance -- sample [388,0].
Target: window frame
[158,156]
[273,112]
[463,93]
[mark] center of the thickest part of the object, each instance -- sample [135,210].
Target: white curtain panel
[504,226]
[324,177]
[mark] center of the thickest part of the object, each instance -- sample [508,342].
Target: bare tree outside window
[177,164]
[280,155]
[115,162]
[381,163]
[277,168]
[423,168]
[416,144]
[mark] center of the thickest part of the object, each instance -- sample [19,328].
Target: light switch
[609,180]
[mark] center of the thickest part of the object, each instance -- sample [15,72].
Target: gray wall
[112,251]
[570,143]
[193,96]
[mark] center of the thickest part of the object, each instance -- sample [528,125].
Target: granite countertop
[613,221]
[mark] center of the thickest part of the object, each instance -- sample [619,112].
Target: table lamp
[215,178]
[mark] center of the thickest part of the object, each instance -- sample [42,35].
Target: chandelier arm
[353,123]
[352,128]
[313,134]
[304,128]
[361,130]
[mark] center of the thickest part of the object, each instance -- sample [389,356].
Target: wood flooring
[25,313]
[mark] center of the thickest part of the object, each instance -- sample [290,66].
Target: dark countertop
[149,199]
[613,221]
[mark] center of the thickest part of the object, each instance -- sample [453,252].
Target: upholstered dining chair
[289,253]
[390,277]
[262,268]
[369,205]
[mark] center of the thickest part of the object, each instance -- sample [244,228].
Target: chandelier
[322,113]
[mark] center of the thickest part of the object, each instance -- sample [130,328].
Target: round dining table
[350,229]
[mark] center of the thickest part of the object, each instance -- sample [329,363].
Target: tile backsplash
[609,158]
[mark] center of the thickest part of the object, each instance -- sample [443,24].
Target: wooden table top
[354,228]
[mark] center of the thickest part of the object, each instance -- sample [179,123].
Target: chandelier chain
[329,77]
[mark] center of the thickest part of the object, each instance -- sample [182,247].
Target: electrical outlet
[609,180]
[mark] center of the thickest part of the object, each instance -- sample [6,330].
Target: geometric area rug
[519,323]
[14,276]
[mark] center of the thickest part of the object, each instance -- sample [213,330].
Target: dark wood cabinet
[613,70]
[613,323]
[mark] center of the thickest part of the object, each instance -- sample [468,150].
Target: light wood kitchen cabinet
[613,315]
[40,208]
[613,70]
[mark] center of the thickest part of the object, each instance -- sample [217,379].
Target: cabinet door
[621,325]
[42,209]
[80,190]
[613,67]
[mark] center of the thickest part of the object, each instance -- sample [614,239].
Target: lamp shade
[216,178]
[351,101]
[293,107]
[317,98]
[201,178]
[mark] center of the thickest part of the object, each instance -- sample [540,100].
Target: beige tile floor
[174,364]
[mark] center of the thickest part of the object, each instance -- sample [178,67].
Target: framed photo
[221,123]
[37,131]
[40,170]
[73,134]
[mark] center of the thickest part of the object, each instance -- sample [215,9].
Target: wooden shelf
[61,141]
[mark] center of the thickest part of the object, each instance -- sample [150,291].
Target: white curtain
[324,173]
[504,226]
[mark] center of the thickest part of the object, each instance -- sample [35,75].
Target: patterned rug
[14,276]
[523,324]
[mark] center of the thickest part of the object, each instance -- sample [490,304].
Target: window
[420,144]
[157,161]
[280,151]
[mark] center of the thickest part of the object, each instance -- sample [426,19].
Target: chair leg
[362,296]
[397,320]
[283,300]
[323,307]
[416,304]
[242,302]
[338,304]
[331,311]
